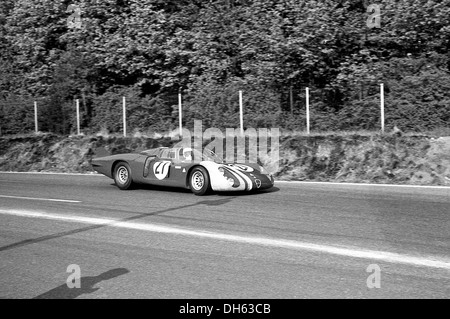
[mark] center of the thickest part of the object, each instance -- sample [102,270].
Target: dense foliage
[150,50]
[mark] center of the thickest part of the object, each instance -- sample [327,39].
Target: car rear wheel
[199,181]
[122,176]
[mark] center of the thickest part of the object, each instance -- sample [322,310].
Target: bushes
[16,115]
[218,104]
[147,50]
[143,112]
[420,101]
[417,97]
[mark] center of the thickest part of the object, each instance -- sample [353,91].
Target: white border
[363,184]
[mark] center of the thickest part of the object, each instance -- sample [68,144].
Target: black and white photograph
[223,158]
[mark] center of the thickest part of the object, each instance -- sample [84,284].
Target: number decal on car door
[161,169]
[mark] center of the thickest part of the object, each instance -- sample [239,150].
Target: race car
[183,167]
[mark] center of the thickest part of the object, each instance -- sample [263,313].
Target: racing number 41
[161,169]
[157,166]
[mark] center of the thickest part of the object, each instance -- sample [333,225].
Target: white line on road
[42,199]
[54,173]
[362,184]
[432,262]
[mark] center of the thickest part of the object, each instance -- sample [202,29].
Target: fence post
[382,106]
[241,113]
[180,113]
[291,100]
[124,117]
[36,129]
[78,117]
[307,112]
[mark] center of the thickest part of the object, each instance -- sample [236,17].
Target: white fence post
[382,106]
[124,117]
[180,113]
[36,129]
[307,112]
[78,117]
[241,113]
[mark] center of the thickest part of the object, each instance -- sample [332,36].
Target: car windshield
[209,155]
[196,155]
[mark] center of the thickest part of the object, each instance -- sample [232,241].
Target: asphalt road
[298,240]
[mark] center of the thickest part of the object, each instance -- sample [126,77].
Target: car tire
[122,176]
[199,182]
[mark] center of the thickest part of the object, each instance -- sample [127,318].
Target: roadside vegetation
[150,50]
[374,158]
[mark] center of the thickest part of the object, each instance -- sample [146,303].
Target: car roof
[154,151]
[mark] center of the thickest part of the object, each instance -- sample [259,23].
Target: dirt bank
[376,159]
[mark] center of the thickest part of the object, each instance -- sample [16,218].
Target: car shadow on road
[249,193]
[87,286]
[158,188]
[209,194]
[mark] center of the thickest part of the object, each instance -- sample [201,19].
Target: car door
[161,170]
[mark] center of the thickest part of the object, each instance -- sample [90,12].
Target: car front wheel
[199,181]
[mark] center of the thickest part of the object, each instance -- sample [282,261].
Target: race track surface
[298,240]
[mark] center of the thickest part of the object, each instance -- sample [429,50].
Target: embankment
[417,160]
